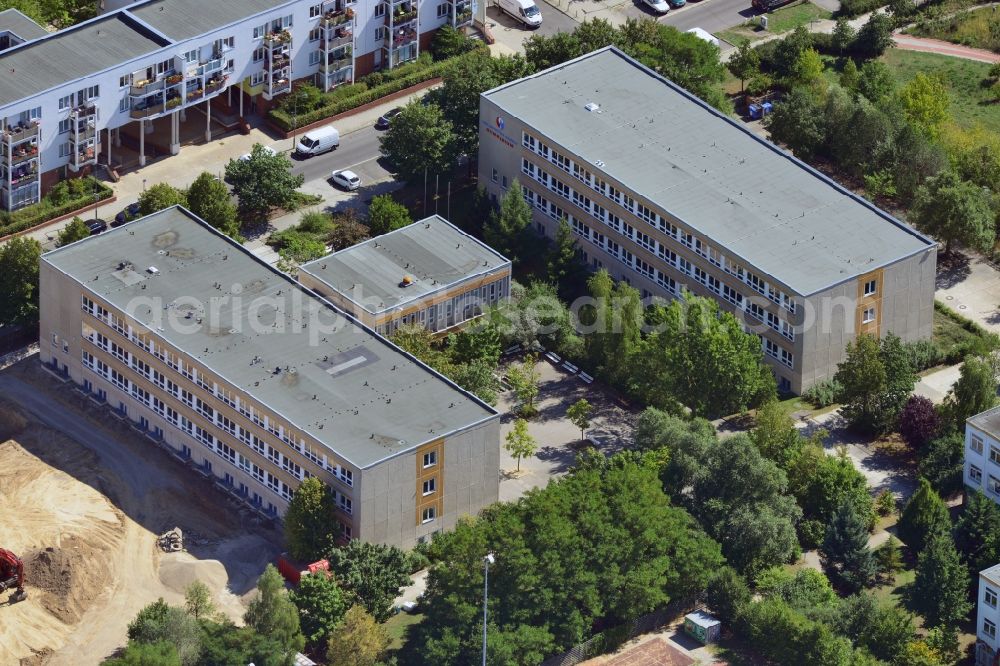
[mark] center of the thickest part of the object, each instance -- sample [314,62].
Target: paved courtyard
[971,287]
[558,439]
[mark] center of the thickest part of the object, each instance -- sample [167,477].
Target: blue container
[755,111]
[767,108]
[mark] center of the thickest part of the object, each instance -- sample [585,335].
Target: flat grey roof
[763,205]
[184,19]
[73,53]
[988,422]
[348,388]
[20,25]
[992,574]
[434,252]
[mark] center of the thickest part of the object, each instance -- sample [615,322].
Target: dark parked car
[96,226]
[127,215]
[384,121]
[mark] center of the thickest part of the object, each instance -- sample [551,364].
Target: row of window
[652,218]
[976,444]
[225,395]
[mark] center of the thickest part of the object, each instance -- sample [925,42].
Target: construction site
[104,522]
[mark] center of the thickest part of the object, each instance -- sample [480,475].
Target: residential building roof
[992,574]
[321,370]
[988,422]
[183,19]
[433,253]
[759,203]
[73,53]
[20,25]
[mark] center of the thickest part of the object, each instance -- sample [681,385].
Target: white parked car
[346,179]
[658,6]
[267,149]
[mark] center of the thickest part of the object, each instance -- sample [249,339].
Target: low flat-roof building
[988,617]
[16,28]
[429,273]
[668,194]
[259,383]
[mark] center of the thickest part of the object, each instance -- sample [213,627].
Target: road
[710,15]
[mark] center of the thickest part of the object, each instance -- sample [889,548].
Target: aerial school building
[667,193]
[259,383]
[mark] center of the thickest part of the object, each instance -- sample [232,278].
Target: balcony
[274,87]
[21,132]
[208,67]
[461,14]
[81,135]
[145,87]
[338,17]
[400,18]
[23,153]
[83,157]
[24,178]
[278,61]
[336,64]
[141,111]
[400,38]
[84,110]
[276,38]
[339,36]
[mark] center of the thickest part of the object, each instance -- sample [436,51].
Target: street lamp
[487,561]
[143,184]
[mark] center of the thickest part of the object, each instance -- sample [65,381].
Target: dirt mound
[64,576]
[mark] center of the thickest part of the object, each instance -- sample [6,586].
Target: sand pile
[68,578]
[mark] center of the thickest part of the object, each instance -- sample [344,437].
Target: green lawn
[396,626]
[971,102]
[893,593]
[970,28]
[779,21]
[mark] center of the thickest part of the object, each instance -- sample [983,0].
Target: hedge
[367,95]
[852,8]
[45,210]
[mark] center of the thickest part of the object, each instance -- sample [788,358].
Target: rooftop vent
[593,107]
[152,270]
[407,281]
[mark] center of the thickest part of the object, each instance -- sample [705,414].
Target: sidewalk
[926,45]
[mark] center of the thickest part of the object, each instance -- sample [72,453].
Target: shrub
[823,394]
[852,8]
[885,503]
[923,354]
[65,197]
[811,533]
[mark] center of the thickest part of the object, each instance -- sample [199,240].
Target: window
[868,316]
[442,10]
[65,125]
[379,32]
[430,459]
[990,597]
[123,81]
[380,10]
[258,54]
[503,182]
[226,43]
[989,628]
[259,31]
[315,34]
[430,486]
[257,78]
[975,475]
[995,454]
[315,57]
[191,55]
[976,444]
[123,105]
[994,485]
[496,175]
[64,150]
[428,515]
[66,102]
[870,287]
[315,11]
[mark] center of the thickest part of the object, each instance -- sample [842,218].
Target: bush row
[66,197]
[852,8]
[363,94]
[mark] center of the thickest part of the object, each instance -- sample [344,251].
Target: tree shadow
[953,269]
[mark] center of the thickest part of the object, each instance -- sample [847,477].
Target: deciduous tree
[358,641]
[321,605]
[579,415]
[955,211]
[942,463]
[843,38]
[262,182]
[420,143]
[876,379]
[160,196]
[372,573]
[385,215]
[209,199]
[524,378]
[310,526]
[19,280]
[919,421]
[273,615]
[974,392]
[76,230]
[519,442]
[198,600]
[925,100]
[744,63]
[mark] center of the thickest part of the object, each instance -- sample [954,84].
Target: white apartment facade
[988,617]
[65,96]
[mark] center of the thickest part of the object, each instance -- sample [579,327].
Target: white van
[524,11]
[318,141]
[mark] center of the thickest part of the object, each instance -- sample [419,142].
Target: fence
[609,639]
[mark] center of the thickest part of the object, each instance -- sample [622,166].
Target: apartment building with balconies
[16,28]
[132,76]
[429,273]
[668,194]
[258,383]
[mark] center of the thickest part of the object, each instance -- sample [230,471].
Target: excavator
[12,575]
